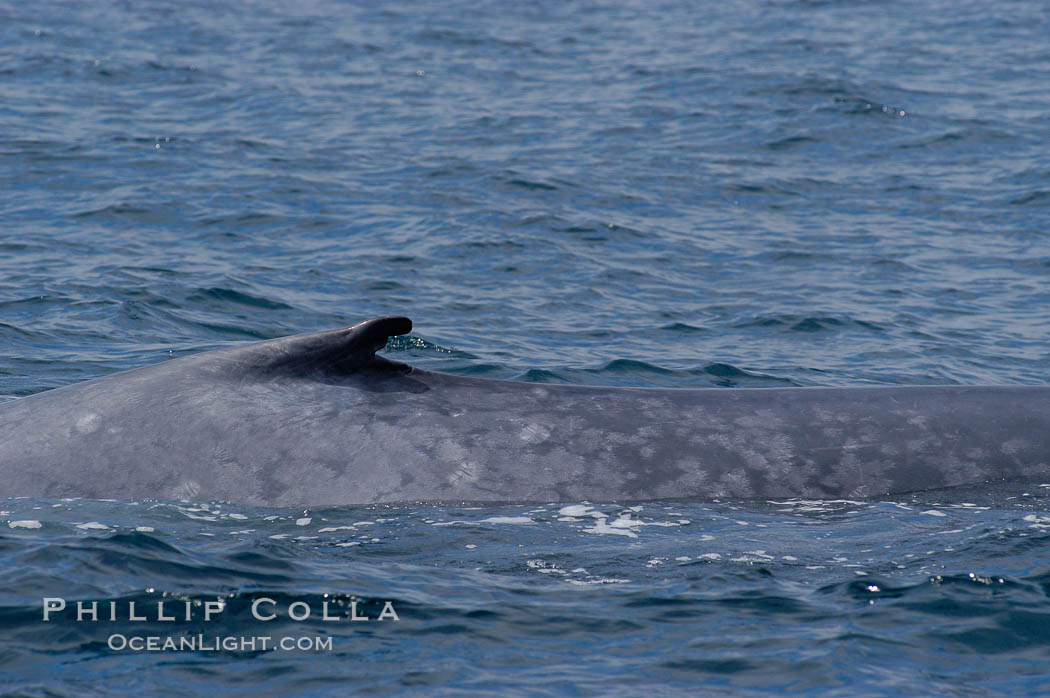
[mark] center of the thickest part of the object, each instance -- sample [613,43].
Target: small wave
[683,328]
[228,296]
[118,210]
[1040,196]
[809,323]
[531,184]
[790,142]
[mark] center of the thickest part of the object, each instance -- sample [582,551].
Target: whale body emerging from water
[320,419]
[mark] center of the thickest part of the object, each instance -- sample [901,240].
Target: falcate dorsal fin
[370,336]
[332,352]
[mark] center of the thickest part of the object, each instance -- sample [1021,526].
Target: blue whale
[321,419]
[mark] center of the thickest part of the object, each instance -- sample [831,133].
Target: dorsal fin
[371,335]
[333,352]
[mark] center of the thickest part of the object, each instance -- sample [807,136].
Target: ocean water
[734,194]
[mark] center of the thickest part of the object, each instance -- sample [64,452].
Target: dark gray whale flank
[318,419]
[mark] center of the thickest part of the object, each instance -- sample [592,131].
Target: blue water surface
[742,194]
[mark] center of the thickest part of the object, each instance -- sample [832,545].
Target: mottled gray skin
[318,419]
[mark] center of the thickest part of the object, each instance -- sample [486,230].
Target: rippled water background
[741,193]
